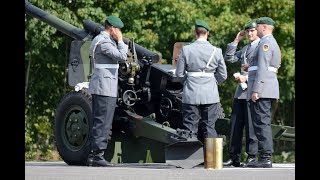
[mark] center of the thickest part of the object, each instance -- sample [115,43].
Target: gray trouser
[240,119]
[206,113]
[261,112]
[103,108]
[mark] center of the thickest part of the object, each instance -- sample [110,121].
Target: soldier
[107,50]
[263,89]
[240,115]
[203,67]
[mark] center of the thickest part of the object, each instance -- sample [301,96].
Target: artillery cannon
[148,118]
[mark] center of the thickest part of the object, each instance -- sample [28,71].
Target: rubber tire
[73,102]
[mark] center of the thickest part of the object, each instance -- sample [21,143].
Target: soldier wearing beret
[203,67]
[263,89]
[107,50]
[240,115]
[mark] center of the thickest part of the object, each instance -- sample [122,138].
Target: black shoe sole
[95,164]
[100,165]
[232,165]
[259,166]
[267,166]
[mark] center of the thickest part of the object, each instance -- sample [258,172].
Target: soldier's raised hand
[239,37]
[116,34]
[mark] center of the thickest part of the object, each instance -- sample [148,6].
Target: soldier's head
[113,26]
[250,30]
[201,29]
[265,25]
[113,22]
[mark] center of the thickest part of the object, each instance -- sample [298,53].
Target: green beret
[265,20]
[202,23]
[250,24]
[115,21]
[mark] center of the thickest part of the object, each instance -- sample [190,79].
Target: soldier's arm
[116,52]
[232,55]
[264,56]
[181,64]
[221,71]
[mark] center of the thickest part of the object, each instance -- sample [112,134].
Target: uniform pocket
[108,74]
[109,83]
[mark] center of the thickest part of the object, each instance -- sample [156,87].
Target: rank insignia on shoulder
[265,47]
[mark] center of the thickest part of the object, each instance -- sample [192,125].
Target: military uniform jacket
[267,59]
[104,81]
[244,56]
[194,58]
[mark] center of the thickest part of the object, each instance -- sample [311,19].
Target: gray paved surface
[60,170]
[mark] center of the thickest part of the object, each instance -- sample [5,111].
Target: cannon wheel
[72,124]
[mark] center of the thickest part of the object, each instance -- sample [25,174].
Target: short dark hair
[200,30]
[107,24]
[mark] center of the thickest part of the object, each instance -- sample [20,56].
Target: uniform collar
[255,41]
[265,36]
[104,33]
[201,39]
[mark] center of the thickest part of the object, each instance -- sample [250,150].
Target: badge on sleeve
[265,47]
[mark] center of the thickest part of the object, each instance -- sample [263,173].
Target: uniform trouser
[103,108]
[240,119]
[261,112]
[206,113]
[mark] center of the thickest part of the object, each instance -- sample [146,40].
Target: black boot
[263,163]
[96,159]
[250,160]
[233,161]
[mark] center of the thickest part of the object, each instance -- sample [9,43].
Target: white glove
[79,86]
[236,75]
[243,86]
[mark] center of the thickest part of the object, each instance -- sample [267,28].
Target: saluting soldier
[240,115]
[203,67]
[263,89]
[107,50]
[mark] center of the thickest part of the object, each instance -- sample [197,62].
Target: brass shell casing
[213,153]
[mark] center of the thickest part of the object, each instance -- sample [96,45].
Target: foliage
[285,151]
[156,25]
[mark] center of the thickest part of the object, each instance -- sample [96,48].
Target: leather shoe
[98,161]
[232,162]
[250,160]
[263,163]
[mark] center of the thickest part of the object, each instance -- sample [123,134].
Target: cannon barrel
[91,28]
[55,22]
